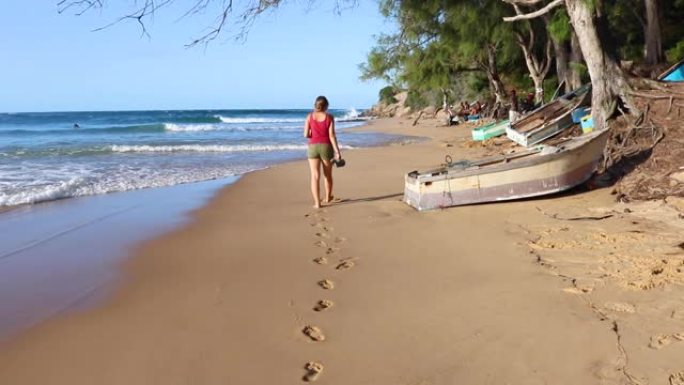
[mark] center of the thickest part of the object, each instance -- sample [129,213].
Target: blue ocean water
[56,155]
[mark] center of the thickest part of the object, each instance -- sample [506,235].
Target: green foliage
[582,69]
[477,83]
[626,20]
[436,40]
[416,100]
[521,82]
[592,4]
[676,53]
[387,95]
[560,28]
[441,45]
[550,87]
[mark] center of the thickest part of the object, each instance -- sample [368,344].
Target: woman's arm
[333,138]
[307,129]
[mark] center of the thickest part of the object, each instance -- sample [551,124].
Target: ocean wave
[146,148]
[353,115]
[207,148]
[91,184]
[257,120]
[137,128]
[197,119]
[190,127]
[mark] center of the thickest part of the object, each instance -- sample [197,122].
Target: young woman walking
[319,127]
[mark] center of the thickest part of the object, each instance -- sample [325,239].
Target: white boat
[532,172]
[548,120]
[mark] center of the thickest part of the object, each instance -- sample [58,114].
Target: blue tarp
[675,75]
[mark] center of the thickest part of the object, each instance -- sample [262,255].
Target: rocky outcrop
[384,110]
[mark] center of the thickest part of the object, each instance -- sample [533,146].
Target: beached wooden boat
[532,172]
[548,120]
[490,130]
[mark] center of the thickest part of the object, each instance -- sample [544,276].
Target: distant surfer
[76,125]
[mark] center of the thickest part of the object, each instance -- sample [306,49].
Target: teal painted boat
[490,130]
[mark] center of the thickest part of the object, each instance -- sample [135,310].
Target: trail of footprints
[329,247]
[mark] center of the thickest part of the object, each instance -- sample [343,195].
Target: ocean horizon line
[179,109]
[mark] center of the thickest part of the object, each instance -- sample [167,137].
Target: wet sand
[63,255]
[452,296]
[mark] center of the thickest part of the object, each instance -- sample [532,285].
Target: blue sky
[53,62]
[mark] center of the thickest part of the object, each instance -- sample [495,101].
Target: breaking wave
[207,148]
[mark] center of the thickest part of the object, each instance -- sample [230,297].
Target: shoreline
[63,255]
[441,297]
[94,282]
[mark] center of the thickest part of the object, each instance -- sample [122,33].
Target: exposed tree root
[645,148]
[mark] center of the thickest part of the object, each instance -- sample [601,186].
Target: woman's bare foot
[332,199]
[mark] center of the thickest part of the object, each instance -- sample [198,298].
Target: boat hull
[548,120]
[544,132]
[545,174]
[490,130]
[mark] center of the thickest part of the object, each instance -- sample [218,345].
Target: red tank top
[319,130]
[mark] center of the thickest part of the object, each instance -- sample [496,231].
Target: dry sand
[489,294]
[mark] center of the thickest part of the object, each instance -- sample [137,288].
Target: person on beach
[319,127]
[514,112]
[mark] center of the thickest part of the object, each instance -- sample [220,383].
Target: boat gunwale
[569,106]
[533,115]
[489,126]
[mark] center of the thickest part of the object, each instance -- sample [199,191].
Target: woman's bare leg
[315,166]
[327,173]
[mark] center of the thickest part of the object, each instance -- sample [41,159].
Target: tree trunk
[653,48]
[537,68]
[609,83]
[576,57]
[493,75]
[560,48]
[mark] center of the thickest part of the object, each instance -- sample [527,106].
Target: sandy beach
[567,289]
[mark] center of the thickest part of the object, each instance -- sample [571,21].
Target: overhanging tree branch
[532,15]
[145,9]
[523,2]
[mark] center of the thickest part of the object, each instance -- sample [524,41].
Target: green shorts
[322,151]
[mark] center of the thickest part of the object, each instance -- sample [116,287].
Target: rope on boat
[449,161]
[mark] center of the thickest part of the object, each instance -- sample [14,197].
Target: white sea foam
[207,148]
[257,120]
[352,115]
[85,182]
[190,127]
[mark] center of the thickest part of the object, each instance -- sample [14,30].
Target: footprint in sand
[322,235]
[340,239]
[321,225]
[621,307]
[677,378]
[314,333]
[659,341]
[323,305]
[321,260]
[324,245]
[313,371]
[345,265]
[326,284]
